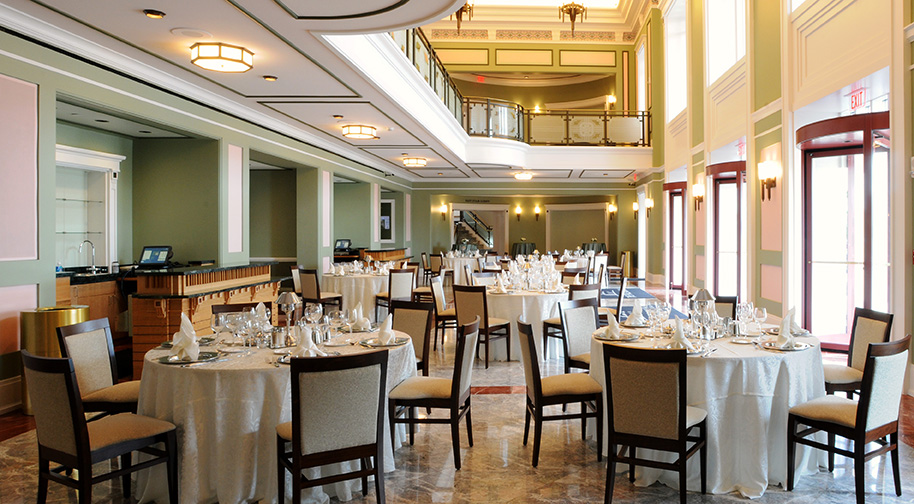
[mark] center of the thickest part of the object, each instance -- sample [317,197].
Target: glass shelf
[76,200]
[80,232]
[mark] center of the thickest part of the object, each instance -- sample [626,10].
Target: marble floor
[497,468]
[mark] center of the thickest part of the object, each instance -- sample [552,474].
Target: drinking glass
[313,313]
[760,315]
[663,314]
[217,323]
[336,321]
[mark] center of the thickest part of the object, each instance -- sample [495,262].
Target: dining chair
[483,278]
[444,317]
[311,290]
[419,292]
[598,265]
[337,416]
[415,319]
[569,274]
[726,306]
[432,392]
[869,326]
[470,302]
[554,390]
[468,273]
[481,263]
[623,286]
[91,349]
[66,438]
[552,327]
[434,262]
[426,268]
[616,272]
[579,321]
[651,413]
[296,278]
[399,286]
[871,419]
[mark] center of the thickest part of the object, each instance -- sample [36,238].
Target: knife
[204,362]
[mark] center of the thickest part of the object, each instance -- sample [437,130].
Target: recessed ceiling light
[337,116]
[439,173]
[145,131]
[523,176]
[101,120]
[153,14]
[221,57]
[270,78]
[360,132]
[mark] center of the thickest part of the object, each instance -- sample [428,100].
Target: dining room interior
[214,215]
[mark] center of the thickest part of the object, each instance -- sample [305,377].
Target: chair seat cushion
[694,416]
[605,310]
[450,312]
[422,290]
[114,429]
[496,322]
[554,321]
[284,430]
[125,392]
[570,384]
[422,387]
[835,409]
[840,374]
[584,357]
[330,295]
[383,295]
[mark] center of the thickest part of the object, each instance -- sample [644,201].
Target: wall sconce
[443,209]
[698,193]
[517,211]
[649,204]
[635,209]
[768,172]
[612,209]
[536,212]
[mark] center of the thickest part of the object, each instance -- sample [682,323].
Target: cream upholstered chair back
[467,337]
[91,351]
[869,327]
[483,278]
[470,302]
[584,291]
[296,279]
[529,358]
[599,263]
[400,283]
[434,262]
[726,306]
[414,267]
[338,402]
[424,258]
[579,321]
[569,274]
[883,383]
[53,392]
[652,407]
[437,283]
[415,319]
[310,288]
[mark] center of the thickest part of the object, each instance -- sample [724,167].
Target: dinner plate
[739,340]
[286,359]
[200,341]
[777,330]
[797,346]
[376,343]
[233,349]
[337,342]
[637,326]
[625,337]
[202,357]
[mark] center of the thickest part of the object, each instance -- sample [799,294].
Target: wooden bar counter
[162,295]
[383,254]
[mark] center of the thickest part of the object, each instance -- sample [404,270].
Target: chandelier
[573,11]
[464,10]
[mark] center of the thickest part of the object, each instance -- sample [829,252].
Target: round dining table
[532,306]
[458,265]
[747,391]
[358,288]
[227,410]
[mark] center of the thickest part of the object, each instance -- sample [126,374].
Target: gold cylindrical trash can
[629,267]
[38,330]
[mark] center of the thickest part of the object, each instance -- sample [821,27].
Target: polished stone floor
[497,468]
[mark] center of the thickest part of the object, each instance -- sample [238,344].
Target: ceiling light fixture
[573,11]
[153,14]
[360,132]
[464,10]
[524,175]
[270,78]
[221,57]
[414,162]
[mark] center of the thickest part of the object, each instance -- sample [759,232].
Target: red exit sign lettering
[858,98]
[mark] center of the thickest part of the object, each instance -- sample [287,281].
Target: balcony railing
[502,119]
[420,53]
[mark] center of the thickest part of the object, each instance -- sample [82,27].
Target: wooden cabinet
[103,300]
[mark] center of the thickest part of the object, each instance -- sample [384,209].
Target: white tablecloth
[533,307]
[357,289]
[227,413]
[747,393]
[457,264]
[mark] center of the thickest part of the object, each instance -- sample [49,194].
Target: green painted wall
[697,70]
[530,97]
[176,202]
[571,229]
[88,138]
[351,208]
[698,166]
[656,239]
[653,28]
[273,213]
[766,56]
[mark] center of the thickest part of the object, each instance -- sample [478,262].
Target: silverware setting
[709,352]
[190,364]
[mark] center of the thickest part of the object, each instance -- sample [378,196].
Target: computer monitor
[155,255]
[342,244]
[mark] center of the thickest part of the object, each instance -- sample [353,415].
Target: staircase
[470,227]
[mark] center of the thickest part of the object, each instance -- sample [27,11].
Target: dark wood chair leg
[599,405]
[125,479]
[527,422]
[831,454]
[171,466]
[379,476]
[893,438]
[455,437]
[583,421]
[791,449]
[362,467]
[84,487]
[860,471]
[281,471]
[610,476]
[537,434]
[391,421]
[631,465]
[469,423]
[412,426]
[682,477]
[44,467]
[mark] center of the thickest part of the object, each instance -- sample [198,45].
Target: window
[641,75]
[676,59]
[726,35]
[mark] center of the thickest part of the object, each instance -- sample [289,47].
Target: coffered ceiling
[314,83]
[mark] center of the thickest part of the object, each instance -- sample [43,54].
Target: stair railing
[483,230]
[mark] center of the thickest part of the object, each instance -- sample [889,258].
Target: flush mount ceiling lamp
[360,132]
[414,162]
[523,175]
[464,10]
[153,14]
[573,11]
[221,57]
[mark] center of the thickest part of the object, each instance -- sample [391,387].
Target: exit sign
[858,98]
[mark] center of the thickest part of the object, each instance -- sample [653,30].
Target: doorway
[676,234]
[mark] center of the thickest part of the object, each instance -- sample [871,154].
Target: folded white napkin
[577,279]
[679,339]
[305,346]
[636,318]
[591,253]
[386,334]
[612,331]
[184,343]
[500,285]
[785,338]
[361,322]
[795,328]
[450,254]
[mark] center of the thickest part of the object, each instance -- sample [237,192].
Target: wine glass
[336,320]
[217,323]
[313,313]
[760,315]
[663,313]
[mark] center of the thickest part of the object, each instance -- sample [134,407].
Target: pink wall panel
[13,300]
[700,267]
[18,170]
[771,208]
[771,282]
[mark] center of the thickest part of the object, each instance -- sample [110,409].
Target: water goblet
[313,313]
[217,323]
[760,315]
[336,321]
